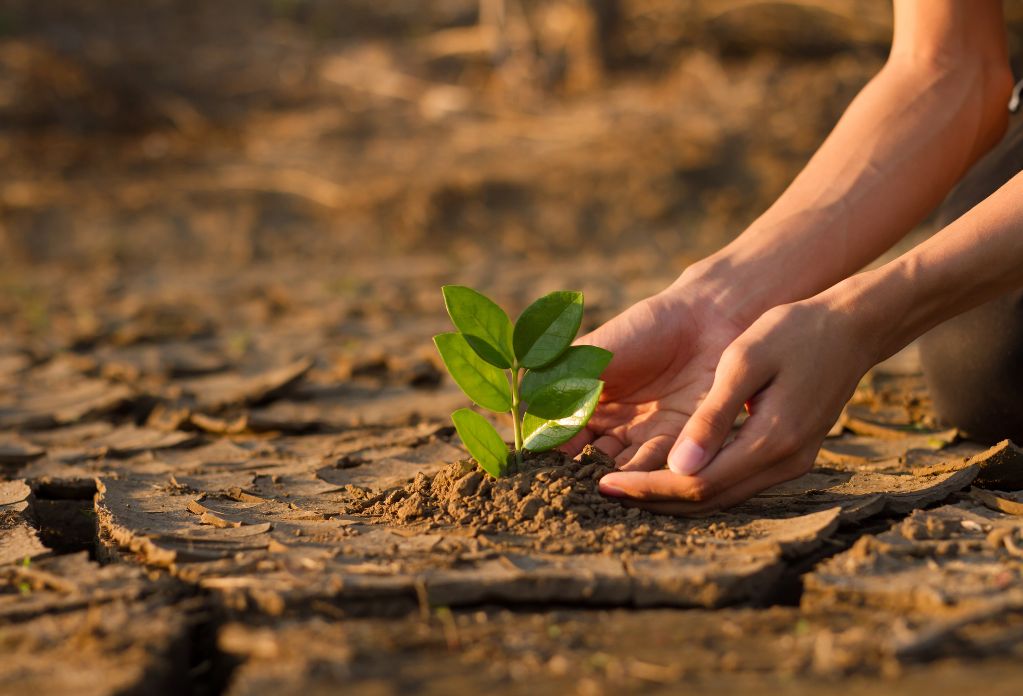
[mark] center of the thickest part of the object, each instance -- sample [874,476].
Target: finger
[669,492]
[755,449]
[653,486]
[652,454]
[574,446]
[743,491]
[609,445]
[736,380]
[766,441]
[626,454]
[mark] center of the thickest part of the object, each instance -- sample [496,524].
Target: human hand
[665,351]
[795,367]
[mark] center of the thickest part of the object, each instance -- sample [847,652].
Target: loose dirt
[550,497]
[226,460]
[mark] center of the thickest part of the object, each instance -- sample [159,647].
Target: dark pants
[973,363]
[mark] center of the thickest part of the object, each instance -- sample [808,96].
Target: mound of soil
[551,498]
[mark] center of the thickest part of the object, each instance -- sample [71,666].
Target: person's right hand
[795,368]
[666,349]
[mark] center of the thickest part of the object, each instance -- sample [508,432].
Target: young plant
[530,370]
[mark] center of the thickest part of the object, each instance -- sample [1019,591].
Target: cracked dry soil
[226,464]
[287,538]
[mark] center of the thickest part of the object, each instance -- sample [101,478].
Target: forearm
[936,106]
[973,260]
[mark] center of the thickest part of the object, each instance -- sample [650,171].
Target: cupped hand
[665,351]
[795,367]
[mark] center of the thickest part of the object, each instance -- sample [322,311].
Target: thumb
[736,381]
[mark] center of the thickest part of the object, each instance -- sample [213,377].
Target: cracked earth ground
[226,464]
[184,510]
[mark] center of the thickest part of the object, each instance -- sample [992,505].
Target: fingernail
[686,458]
[611,490]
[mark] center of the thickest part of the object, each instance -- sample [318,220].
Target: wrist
[741,281]
[877,310]
[715,283]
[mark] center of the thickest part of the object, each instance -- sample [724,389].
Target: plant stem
[516,422]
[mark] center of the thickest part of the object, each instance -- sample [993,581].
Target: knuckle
[741,359]
[709,425]
[803,465]
[795,468]
[737,357]
[701,490]
[785,441]
[774,443]
[782,313]
[777,437]
[713,421]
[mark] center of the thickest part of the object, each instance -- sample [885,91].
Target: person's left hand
[795,368]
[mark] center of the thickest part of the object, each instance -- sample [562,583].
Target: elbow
[980,86]
[989,86]
[996,87]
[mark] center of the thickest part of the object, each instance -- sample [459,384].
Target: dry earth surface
[226,464]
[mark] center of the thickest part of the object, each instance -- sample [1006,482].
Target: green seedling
[23,587]
[528,369]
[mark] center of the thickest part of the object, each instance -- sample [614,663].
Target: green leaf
[482,382]
[482,441]
[559,411]
[486,327]
[547,327]
[577,361]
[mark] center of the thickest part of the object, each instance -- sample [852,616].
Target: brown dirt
[226,464]
[551,498]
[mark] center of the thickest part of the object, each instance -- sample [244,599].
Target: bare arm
[682,356]
[937,105]
[799,363]
[976,258]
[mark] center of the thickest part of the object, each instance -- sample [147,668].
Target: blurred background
[301,151]
[161,131]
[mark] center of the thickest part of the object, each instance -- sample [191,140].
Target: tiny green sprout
[528,369]
[23,587]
